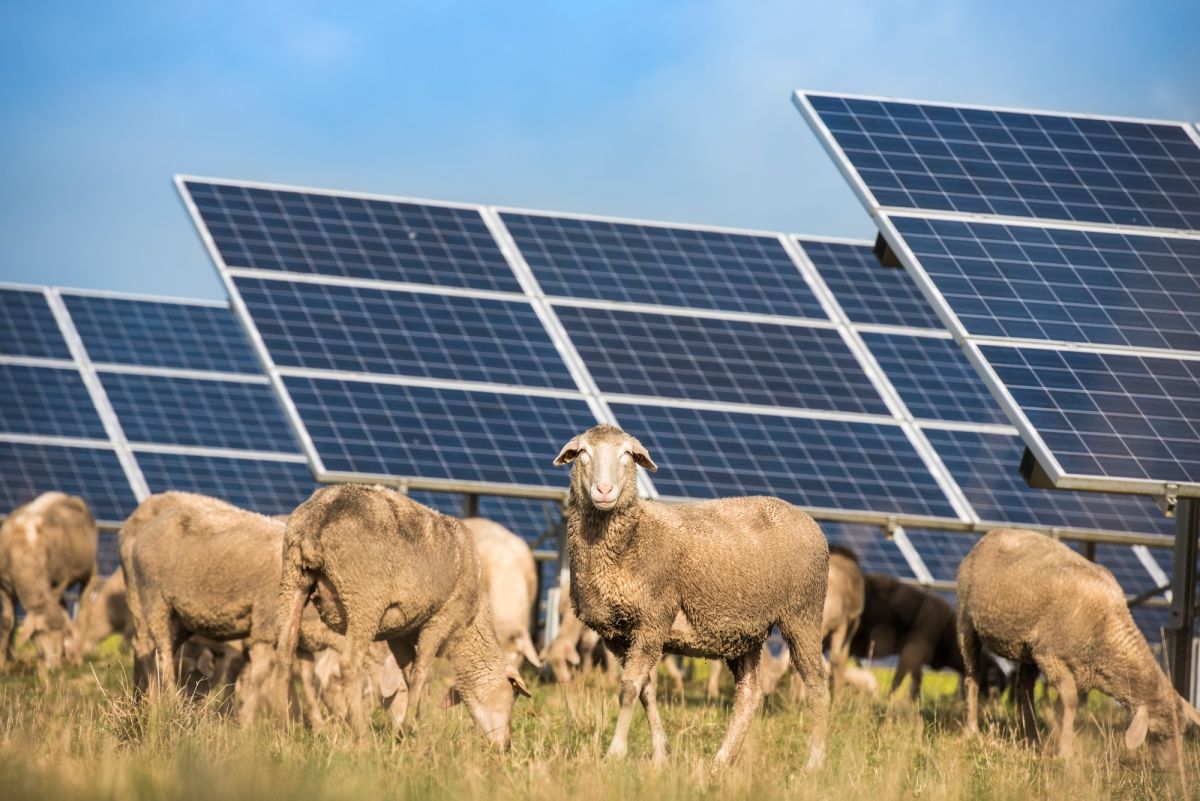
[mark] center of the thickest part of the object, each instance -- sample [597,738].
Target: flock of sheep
[347,601]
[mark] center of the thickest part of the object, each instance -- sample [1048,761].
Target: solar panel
[93,473]
[51,401]
[985,466]
[377,429]
[159,333]
[350,237]
[1112,415]
[934,378]
[736,361]
[27,326]
[1014,164]
[876,554]
[866,293]
[528,518]
[1053,284]
[367,330]
[267,486]
[831,464]
[942,551]
[662,265]
[200,412]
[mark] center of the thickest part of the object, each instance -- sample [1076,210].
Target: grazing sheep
[202,566]
[45,546]
[102,612]
[382,682]
[705,579]
[509,576]
[1031,599]
[899,618]
[384,567]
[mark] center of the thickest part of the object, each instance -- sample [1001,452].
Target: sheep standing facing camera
[1031,599]
[704,579]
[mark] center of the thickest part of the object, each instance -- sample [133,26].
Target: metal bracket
[1168,500]
[889,528]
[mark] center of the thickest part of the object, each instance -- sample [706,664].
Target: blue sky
[666,110]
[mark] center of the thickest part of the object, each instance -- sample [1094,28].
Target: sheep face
[1161,730]
[491,704]
[604,460]
[48,630]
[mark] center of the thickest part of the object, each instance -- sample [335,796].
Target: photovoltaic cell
[669,355]
[942,551]
[875,553]
[269,487]
[406,431]
[528,518]
[815,463]
[108,553]
[1120,416]
[662,265]
[161,334]
[985,466]
[355,329]
[325,234]
[185,411]
[1055,284]
[867,292]
[47,400]
[934,378]
[28,327]
[1046,166]
[94,474]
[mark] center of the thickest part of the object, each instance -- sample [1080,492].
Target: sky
[676,111]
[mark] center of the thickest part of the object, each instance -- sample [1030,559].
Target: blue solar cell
[669,355]
[185,411]
[325,234]
[161,334]
[403,333]
[265,486]
[814,463]
[94,474]
[1055,284]
[876,554]
[108,554]
[28,327]
[662,265]
[528,518]
[47,400]
[986,467]
[410,431]
[942,551]
[1152,620]
[1125,566]
[934,378]
[868,292]
[1118,416]
[1044,166]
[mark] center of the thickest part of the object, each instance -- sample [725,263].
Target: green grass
[78,735]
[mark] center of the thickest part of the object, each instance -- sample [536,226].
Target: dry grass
[79,736]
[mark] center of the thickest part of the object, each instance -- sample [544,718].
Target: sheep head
[1160,726]
[604,463]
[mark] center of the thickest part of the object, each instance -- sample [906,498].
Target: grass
[78,735]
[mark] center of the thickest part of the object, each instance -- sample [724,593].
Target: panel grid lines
[27,326]
[47,400]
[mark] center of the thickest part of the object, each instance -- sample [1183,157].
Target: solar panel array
[1064,253]
[456,347]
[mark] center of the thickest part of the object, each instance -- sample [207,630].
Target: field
[79,736]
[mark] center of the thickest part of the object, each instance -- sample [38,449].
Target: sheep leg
[1058,674]
[161,634]
[658,734]
[397,705]
[712,690]
[1023,696]
[839,653]
[8,620]
[747,698]
[972,654]
[431,639]
[803,638]
[357,638]
[253,683]
[914,686]
[308,688]
[671,666]
[640,659]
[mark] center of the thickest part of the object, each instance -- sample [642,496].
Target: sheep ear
[527,650]
[569,452]
[1135,735]
[390,677]
[514,678]
[573,657]
[642,456]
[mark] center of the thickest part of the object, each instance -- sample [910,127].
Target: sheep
[899,618]
[382,682]
[45,546]
[198,565]
[706,579]
[509,576]
[102,612]
[1031,599]
[384,567]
